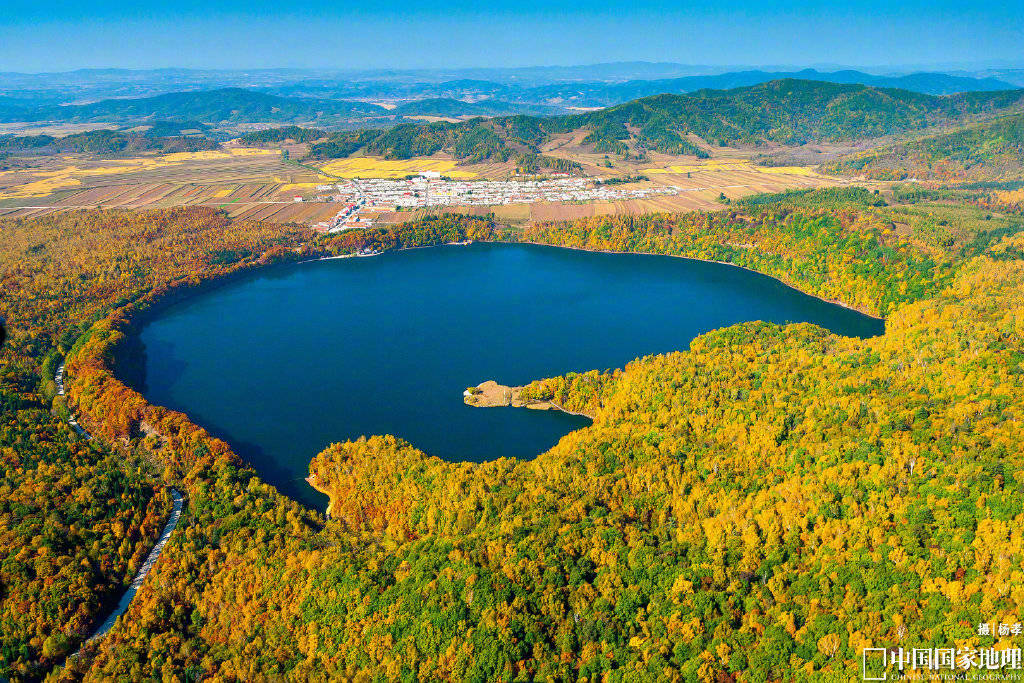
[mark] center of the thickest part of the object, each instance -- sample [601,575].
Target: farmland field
[702,182]
[258,183]
[370,167]
[243,181]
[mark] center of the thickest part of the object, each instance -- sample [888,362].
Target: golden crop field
[42,183]
[1010,196]
[703,181]
[258,183]
[726,165]
[372,167]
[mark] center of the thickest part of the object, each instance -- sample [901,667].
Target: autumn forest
[759,506]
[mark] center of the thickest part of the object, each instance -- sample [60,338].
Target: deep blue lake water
[290,359]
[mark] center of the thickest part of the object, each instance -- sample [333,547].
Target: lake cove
[292,358]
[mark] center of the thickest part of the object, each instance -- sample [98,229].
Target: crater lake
[289,359]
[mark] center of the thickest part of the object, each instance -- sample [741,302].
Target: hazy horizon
[460,34]
[716,68]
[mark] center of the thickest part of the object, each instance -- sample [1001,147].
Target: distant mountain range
[513,90]
[232,105]
[325,103]
[787,111]
[237,105]
[593,94]
[451,107]
[795,111]
[163,138]
[604,94]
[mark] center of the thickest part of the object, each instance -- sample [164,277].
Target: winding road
[154,553]
[73,421]
[129,595]
[151,559]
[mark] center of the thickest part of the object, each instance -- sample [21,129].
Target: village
[361,198]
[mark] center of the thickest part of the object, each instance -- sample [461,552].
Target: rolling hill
[234,105]
[605,94]
[447,106]
[788,112]
[160,138]
[792,111]
[11,108]
[586,86]
[989,151]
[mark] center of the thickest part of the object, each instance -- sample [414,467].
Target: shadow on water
[134,357]
[287,482]
[132,361]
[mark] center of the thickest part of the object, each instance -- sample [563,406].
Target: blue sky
[61,35]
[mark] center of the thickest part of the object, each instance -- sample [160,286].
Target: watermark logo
[946,663]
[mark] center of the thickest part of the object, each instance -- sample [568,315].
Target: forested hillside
[77,517]
[989,151]
[447,106]
[274,135]
[793,111]
[785,111]
[105,143]
[760,505]
[210,106]
[606,94]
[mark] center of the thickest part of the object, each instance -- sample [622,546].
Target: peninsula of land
[490,394]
